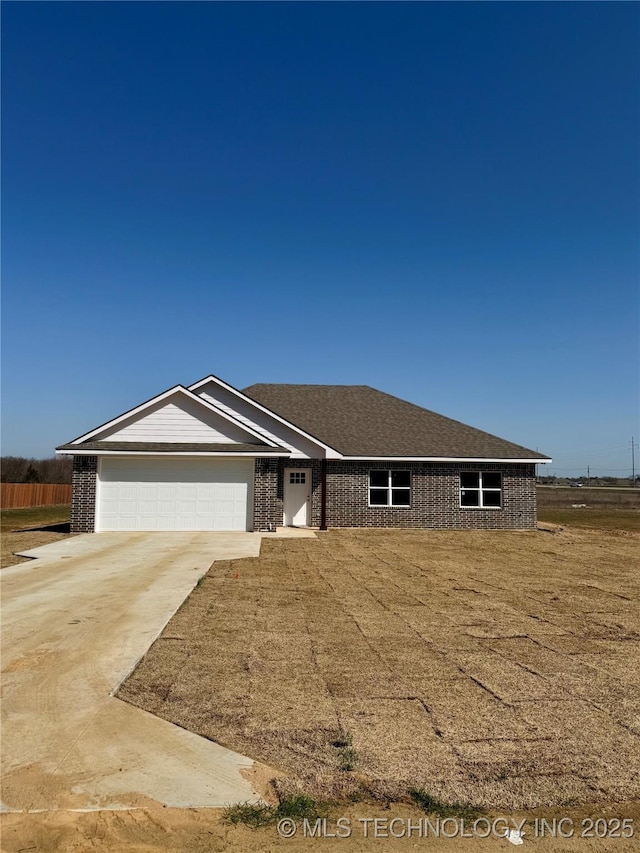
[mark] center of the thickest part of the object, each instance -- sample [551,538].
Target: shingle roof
[357,420]
[172,447]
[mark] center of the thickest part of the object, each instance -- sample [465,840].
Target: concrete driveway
[75,622]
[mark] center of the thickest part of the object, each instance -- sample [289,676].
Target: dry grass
[596,508]
[498,669]
[593,496]
[27,528]
[592,517]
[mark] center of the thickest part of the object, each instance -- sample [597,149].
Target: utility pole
[633,463]
[588,476]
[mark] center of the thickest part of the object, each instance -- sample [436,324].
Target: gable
[178,420]
[175,416]
[264,423]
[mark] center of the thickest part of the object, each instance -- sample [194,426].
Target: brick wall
[83,500]
[435,501]
[267,510]
[435,497]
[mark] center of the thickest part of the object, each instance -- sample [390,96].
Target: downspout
[323,494]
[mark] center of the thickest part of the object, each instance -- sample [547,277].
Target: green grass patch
[348,758]
[431,805]
[250,814]
[347,755]
[34,516]
[256,815]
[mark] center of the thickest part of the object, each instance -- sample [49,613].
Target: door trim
[287,472]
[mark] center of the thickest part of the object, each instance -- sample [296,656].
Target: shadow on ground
[64,527]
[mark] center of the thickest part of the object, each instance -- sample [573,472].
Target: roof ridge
[305,385]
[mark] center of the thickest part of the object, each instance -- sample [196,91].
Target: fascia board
[503,459]
[266,411]
[249,455]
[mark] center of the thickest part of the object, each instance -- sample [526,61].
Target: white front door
[297,497]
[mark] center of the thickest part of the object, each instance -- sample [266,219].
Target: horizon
[436,200]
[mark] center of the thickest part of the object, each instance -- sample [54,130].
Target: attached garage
[210,457]
[177,493]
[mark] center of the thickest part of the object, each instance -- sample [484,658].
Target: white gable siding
[302,448]
[180,421]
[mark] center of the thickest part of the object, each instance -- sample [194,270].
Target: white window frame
[481,490]
[390,489]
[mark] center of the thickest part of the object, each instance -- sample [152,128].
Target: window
[389,488]
[297,477]
[481,489]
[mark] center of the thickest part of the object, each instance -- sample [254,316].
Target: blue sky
[436,199]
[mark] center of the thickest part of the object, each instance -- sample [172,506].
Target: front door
[297,497]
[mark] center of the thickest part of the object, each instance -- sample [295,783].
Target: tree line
[19,469]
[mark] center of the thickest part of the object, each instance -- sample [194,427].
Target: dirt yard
[158,830]
[498,669]
[520,649]
[23,529]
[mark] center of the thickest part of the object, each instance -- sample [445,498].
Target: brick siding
[435,496]
[83,500]
[267,510]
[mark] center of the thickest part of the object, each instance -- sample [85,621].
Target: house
[211,457]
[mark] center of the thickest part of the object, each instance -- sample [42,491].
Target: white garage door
[174,494]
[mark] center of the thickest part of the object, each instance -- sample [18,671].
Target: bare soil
[23,529]
[492,668]
[157,830]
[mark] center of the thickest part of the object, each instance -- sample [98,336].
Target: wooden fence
[17,495]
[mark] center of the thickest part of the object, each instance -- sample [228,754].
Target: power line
[591,453]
